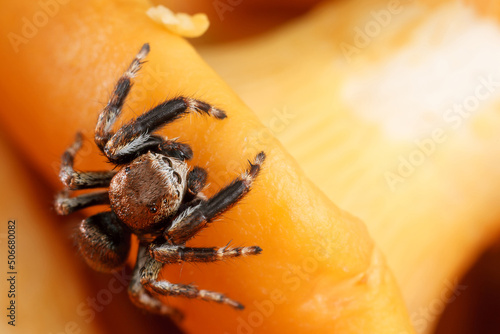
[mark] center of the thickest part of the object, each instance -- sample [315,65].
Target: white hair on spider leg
[132,145]
[184,214]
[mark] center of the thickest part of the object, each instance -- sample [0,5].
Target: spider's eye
[153,209]
[177,177]
[127,169]
[167,161]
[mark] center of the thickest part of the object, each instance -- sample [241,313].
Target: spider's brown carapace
[154,195]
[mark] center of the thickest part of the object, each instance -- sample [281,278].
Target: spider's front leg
[193,219]
[108,116]
[136,137]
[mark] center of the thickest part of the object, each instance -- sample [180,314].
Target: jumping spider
[153,195]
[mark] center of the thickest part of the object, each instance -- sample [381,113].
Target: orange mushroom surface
[319,270]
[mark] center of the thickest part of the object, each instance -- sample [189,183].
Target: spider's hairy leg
[135,137]
[193,219]
[81,180]
[143,298]
[65,205]
[108,116]
[149,279]
[103,241]
[167,253]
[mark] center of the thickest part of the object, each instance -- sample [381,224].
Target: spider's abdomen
[149,190]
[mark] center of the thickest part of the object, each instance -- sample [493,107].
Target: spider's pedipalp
[175,149]
[196,181]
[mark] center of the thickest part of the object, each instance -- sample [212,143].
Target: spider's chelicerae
[154,195]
